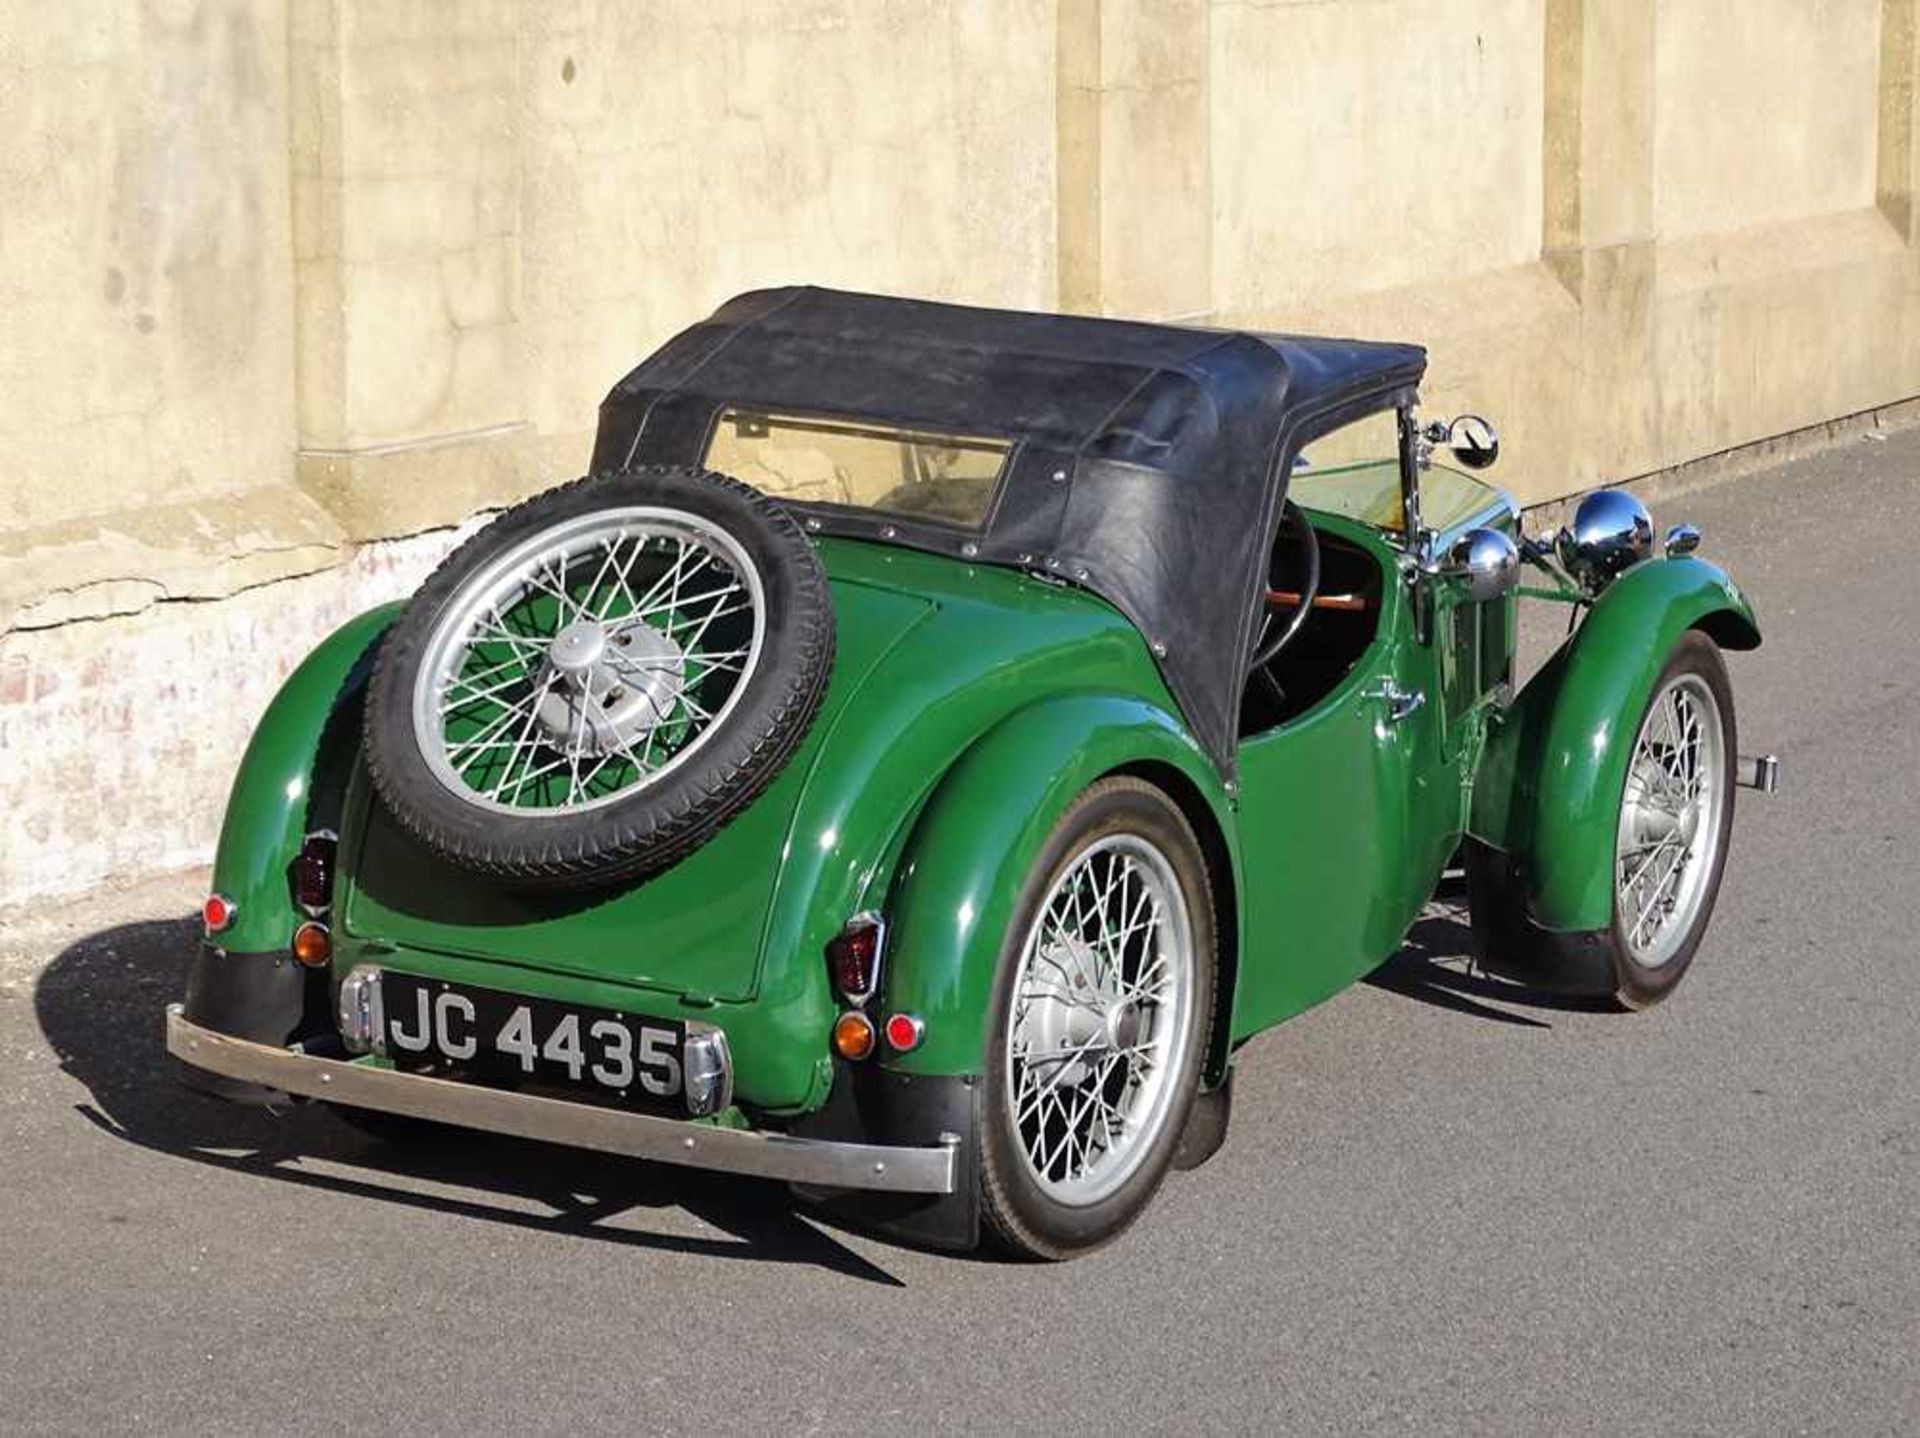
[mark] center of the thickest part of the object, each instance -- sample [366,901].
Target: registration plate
[512,1039]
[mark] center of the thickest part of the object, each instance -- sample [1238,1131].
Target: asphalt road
[1444,1206]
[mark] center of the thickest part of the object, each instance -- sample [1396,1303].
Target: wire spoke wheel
[583,664]
[592,686]
[1102,1018]
[1670,840]
[1670,820]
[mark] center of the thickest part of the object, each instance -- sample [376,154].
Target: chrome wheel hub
[577,648]
[613,690]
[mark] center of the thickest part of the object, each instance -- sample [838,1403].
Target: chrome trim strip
[816,1162]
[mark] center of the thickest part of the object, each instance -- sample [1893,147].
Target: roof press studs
[1159,650]
[970,549]
[1059,476]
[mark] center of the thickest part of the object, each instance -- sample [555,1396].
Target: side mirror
[1682,539]
[1473,442]
[1487,560]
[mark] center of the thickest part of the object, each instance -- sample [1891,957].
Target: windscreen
[932,478]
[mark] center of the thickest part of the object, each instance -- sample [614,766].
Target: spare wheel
[593,684]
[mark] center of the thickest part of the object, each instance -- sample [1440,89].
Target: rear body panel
[932,655]
[693,930]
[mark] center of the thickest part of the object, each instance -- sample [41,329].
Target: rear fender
[976,840]
[1548,789]
[292,780]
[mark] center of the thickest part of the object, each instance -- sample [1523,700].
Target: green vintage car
[932,740]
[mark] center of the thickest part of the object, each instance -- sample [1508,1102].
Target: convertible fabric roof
[1149,465]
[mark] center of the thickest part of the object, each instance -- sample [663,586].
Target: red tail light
[217,914]
[854,957]
[904,1032]
[312,872]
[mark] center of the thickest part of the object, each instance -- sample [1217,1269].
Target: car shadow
[1438,964]
[100,1004]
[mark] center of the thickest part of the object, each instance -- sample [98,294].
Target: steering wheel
[1270,644]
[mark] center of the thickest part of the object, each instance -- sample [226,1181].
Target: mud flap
[260,997]
[1514,945]
[876,1105]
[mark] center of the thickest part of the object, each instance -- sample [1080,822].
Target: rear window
[930,478]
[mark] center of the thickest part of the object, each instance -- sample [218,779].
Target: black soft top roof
[1149,465]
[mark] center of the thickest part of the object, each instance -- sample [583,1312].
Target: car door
[1346,817]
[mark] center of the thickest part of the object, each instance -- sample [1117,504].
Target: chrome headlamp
[1611,530]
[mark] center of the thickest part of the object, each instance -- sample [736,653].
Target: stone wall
[293,288]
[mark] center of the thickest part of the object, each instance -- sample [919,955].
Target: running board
[1758,771]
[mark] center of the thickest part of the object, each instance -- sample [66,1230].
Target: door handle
[1401,703]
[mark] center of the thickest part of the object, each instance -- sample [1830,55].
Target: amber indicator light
[312,944]
[853,1035]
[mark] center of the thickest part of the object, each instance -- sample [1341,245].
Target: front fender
[288,781]
[1549,786]
[968,855]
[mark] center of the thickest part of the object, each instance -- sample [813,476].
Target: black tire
[1637,986]
[1601,964]
[1017,1215]
[662,820]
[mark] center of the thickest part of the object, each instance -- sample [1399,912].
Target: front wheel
[1676,812]
[1101,1010]
[1671,832]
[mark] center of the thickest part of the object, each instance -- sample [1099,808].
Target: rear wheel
[1101,1012]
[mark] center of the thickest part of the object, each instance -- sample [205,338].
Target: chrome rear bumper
[815,1162]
